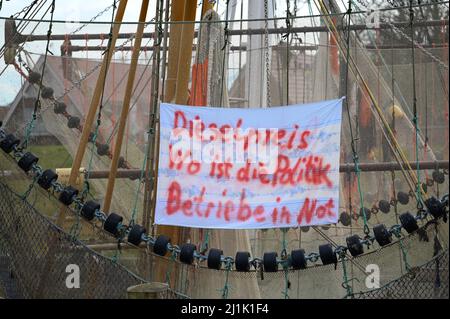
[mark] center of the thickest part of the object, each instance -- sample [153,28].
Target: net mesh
[303,67]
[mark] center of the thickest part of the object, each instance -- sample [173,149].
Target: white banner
[239,168]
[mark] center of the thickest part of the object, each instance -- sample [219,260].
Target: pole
[305,29]
[343,168]
[177,14]
[125,108]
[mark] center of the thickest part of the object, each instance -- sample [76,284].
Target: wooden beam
[206,6]
[125,108]
[87,127]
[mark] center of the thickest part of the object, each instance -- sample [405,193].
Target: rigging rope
[267,58]
[346,280]
[284,247]
[225,51]
[19,48]
[37,104]
[27,10]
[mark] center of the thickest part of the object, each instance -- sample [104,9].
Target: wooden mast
[125,107]
[87,127]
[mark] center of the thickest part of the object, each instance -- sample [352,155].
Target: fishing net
[37,253]
[303,67]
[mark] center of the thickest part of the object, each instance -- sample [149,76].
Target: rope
[173,257]
[415,117]
[224,49]
[397,233]
[27,10]
[286,36]
[226,287]
[141,177]
[284,245]
[85,190]
[205,243]
[392,141]
[267,58]
[30,187]
[108,48]
[345,283]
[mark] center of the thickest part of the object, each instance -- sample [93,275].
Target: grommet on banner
[409,223]
[103,149]
[214,258]
[384,206]
[382,235]
[270,262]
[112,222]
[354,245]
[9,142]
[403,198]
[187,253]
[160,247]
[242,261]
[60,108]
[68,195]
[47,178]
[27,161]
[298,259]
[135,234]
[89,208]
[73,122]
[47,92]
[327,255]
[345,219]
